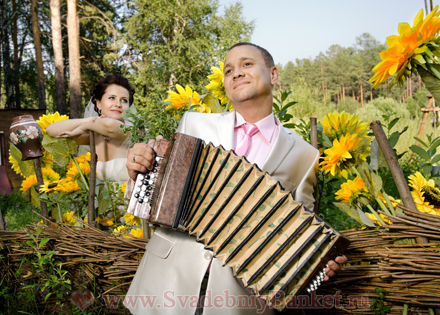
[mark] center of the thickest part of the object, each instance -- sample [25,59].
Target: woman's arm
[58,127]
[108,127]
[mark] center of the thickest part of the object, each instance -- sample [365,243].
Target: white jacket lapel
[225,129]
[283,144]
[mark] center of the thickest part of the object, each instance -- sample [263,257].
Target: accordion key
[275,246]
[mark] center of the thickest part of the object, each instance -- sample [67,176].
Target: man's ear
[274,75]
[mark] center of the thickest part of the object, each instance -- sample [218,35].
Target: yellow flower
[184,98]
[340,157]
[67,186]
[73,173]
[408,49]
[354,192]
[216,84]
[80,159]
[424,193]
[135,232]
[131,219]
[394,202]
[107,221]
[46,120]
[68,218]
[123,188]
[120,230]
[337,124]
[49,176]
[49,187]
[376,221]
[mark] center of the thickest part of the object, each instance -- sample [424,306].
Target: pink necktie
[243,146]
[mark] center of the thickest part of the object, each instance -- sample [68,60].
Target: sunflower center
[432,195]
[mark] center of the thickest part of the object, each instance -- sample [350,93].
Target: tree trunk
[6,57]
[74,63]
[57,43]
[361,86]
[16,60]
[371,94]
[410,87]
[38,56]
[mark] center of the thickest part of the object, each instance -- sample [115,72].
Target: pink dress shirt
[262,141]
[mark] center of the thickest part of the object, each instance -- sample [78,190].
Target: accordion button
[145,182]
[156,164]
[136,195]
[143,188]
[157,158]
[141,177]
[154,170]
[147,176]
[140,200]
[138,190]
[208,256]
[147,199]
[142,193]
[149,188]
[147,193]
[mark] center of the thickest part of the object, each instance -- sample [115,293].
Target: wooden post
[2,226]
[396,171]
[425,111]
[314,142]
[91,204]
[40,182]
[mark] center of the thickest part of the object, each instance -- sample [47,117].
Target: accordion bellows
[276,246]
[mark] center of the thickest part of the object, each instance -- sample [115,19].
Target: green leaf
[44,241]
[35,197]
[288,105]
[275,105]
[394,138]
[422,142]
[392,123]
[435,159]
[434,145]
[426,170]
[61,148]
[354,213]
[47,296]
[377,159]
[422,153]
[326,141]
[26,167]
[290,126]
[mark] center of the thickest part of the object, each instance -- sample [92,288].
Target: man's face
[246,75]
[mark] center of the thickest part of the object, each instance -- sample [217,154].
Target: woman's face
[114,102]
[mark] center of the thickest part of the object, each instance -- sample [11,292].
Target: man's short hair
[268,59]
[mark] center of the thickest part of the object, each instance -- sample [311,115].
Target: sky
[292,29]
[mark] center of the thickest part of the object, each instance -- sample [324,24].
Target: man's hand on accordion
[140,158]
[333,266]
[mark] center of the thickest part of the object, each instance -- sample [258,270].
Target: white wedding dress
[114,170]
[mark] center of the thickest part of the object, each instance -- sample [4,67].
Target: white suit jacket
[174,264]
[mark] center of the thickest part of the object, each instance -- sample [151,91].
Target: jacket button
[208,256]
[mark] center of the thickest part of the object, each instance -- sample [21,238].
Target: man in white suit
[174,265]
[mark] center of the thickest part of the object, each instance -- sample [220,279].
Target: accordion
[276,246]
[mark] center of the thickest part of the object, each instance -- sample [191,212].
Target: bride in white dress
[111,97]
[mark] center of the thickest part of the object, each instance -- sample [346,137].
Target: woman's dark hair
[102,85]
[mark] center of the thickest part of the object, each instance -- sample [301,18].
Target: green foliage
[427,151]
[17,211]
[378,307]
[26,167]
[280,109]
[62,149]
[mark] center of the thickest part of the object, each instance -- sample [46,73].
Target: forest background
[52,53]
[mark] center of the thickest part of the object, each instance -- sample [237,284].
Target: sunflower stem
[390,205]
[79,170]
[382,205]
[376,215]
[354,169]
[60,216]
[431,311]
[405,309]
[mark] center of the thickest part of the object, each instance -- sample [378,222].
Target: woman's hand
[333,266]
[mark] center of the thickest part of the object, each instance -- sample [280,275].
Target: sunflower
[337,124]
[216,84]
[107,221]
[73,172]
[135,232]
[49,176]
[394,202]
[46,120]
[49,187]
[120,230]
[414,46]
[67,186]
[131,219]
[376,221]
[123,188]
[79,159]
[339,158]
[354,192]
[68,218]
[425,194]
[184,98]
